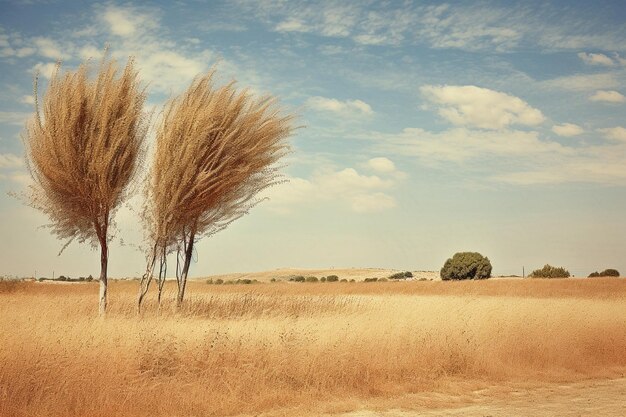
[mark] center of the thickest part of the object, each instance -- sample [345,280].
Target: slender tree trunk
[182,283]
[162,274]
[104,260]
[144,285]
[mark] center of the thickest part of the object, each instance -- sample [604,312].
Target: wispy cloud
[13,117]
[596,59]
[472,27]
[347,187]
[9,160]
[567,130]
[582,82]
[617,133]
[354,107]
[608,96]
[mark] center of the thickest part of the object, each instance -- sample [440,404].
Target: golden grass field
[290,349]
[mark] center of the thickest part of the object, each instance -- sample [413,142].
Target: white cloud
[596,59]
[567,129]
[481,107]
[122,21]
[338,106]
[50,49]
[10,161]
[27,99]
[608,96]
[347,187]
[90,52]
[45,70]
[617,133]
[381,164]
[292,25]
[460,145]
[510,156]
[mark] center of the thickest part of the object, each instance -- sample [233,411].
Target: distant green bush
[311,279]
[323,279]
[382,279]
[273,280]
[370,280]
[549,271]
[343,280]
[332,278]
[606,273]
[297,278]
[219,281]
[401,275]
[466,265]
[352,280]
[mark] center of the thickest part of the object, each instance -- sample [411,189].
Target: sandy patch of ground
[588,398]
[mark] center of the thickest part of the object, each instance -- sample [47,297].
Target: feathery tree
[216,149]
[82,151]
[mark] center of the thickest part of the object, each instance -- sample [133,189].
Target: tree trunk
[104,260]
[144,285]
[183,276]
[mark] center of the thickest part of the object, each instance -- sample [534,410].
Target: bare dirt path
[581,399]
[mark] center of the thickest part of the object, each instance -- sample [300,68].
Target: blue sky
[429,128]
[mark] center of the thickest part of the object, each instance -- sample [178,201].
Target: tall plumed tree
[82,150]
[216,149]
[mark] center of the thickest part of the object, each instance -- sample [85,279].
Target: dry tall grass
[249,349]
[82,149]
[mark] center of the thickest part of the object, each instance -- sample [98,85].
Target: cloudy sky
[428,128]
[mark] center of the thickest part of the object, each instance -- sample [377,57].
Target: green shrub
[343,280]
[209,281]
[311,279]
[297,278]
[370,280]
[219,281]
[273,280]
[466,265]
[323,279]
[62,278]
[352,280]
[382,280]
[549,271]
[332,278]
[606,273]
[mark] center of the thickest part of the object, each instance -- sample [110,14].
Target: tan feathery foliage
[216,149]
[82,150]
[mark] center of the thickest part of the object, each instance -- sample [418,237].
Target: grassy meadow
[297,348]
